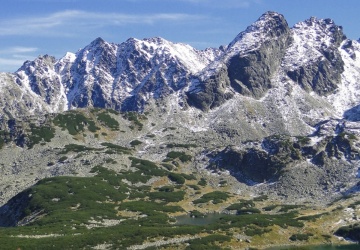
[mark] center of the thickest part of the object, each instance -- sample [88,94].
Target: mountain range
[274,113]
[268,63]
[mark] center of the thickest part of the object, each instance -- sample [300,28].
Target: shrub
[147,167]
[194,187]
[168,166]
[215,197]
[286,208]
[135,119]
[166,189]
[167,196]
[207,242]
[261,198]
[300,237]
[177,145]
[177,178]
[250,210]
[271,207]
[254,230]
[39,134]
[76,148]
[73,121]
[196,214]
[189,177]
[180,155]
[116,148]
[135,143]
[108,121]
[63,158]
[202,182]
[241,204]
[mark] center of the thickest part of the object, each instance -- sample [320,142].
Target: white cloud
[18,49]
[68,22]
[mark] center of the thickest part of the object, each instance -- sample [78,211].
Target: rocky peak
[313,60]
[41,62]
[326,31]
[259,52]
[246,65]
[97,42]
[269,25]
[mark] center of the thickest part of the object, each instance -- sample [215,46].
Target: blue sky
[29,28]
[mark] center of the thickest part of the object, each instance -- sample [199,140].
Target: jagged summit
[313,56]
[269,25]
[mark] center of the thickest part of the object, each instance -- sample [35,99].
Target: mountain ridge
[127,76]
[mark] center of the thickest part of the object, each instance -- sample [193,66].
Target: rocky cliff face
[323,73]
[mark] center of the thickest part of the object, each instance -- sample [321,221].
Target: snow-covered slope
[269,77]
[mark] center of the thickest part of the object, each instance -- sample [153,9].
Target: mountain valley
[107,147]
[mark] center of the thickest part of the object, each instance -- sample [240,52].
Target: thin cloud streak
[50,25]
[18,49]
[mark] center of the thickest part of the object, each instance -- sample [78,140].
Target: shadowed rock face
[323,75]
[212,93]
[257,164]
[250,165]
[12,212]
[250,74]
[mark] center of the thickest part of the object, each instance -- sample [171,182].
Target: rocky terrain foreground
[255,143]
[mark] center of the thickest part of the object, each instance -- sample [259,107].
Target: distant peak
[325,26]
[270,19]
[157,40]
[97,41]
[270,24]
[271,14]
